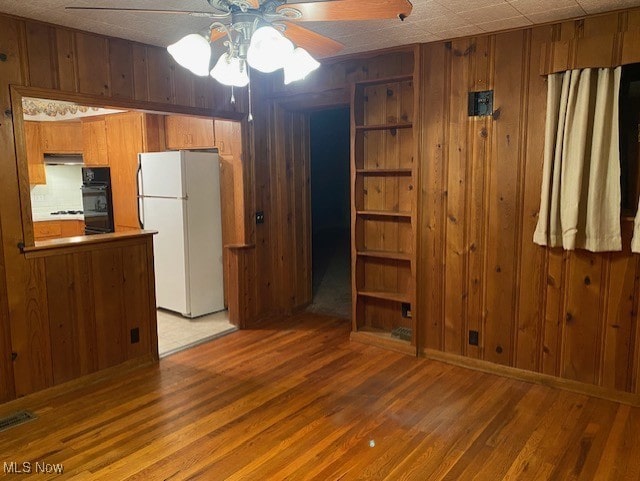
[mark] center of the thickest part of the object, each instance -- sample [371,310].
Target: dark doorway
[630,138]
[331,212]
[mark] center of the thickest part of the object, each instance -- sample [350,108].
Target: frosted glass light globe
[230,71]
[193,52]
[299,65]
[268,50]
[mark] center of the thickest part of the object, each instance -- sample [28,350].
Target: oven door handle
[139,197]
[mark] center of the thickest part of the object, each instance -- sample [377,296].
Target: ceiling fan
[262,34]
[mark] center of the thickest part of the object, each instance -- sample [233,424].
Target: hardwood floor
[296,400]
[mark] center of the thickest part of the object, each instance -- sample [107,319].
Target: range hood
[63,159]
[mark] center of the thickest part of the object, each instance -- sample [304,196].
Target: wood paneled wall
[291,166]
[568,315]
[571,315]
[90,301]
[124,73]
[63,59]
[82,304]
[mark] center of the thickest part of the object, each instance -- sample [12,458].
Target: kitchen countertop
[83,241]
[46,217]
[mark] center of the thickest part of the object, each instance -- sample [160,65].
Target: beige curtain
[580,197]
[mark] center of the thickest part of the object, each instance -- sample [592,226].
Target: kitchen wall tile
[61,192]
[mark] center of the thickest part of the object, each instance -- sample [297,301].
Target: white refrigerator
[179,196]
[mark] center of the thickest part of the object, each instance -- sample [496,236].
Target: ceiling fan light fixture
[192,52]
[230,70]
[299,65]
[269,50]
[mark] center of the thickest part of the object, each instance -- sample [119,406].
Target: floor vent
[15,419]
[404,333]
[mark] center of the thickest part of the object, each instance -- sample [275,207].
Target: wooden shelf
[400,171]
[384,213]
[399,256]
[386,80]
[384,340]
[401,125]
[386,296]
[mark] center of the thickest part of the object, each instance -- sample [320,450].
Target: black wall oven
[97,201]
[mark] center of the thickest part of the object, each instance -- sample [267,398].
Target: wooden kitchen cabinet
[71,228]
[94,142]
[124,143]
[61,137]
[49,229]
[185,132]
[228,135]
[129,134]
[35,159]
[55,229]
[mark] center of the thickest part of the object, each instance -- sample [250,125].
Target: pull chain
[233,98]
[250,117]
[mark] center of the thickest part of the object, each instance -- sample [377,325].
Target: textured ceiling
[431,19]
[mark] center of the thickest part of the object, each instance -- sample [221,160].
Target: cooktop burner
[63,212]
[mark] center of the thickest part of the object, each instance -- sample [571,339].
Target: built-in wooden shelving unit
[386,295]
[383,213]
[391,126]
[383,195]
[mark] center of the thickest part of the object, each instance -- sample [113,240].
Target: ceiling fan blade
[349,10]
[147,10]
[318,45]
[217,35]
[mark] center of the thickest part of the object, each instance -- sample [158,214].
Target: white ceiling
[431,19]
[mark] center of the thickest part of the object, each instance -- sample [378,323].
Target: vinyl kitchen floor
[176,333]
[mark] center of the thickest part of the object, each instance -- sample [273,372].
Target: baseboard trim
[533,377]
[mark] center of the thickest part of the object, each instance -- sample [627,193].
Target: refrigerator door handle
[139,199]
[163,197]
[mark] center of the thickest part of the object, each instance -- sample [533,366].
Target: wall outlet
[474,338]
[260,217]
[135,335]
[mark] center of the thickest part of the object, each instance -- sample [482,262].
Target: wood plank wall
[571,315]
[292,169]
[94,299]
[82,305]
[568,315]
[65,60]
